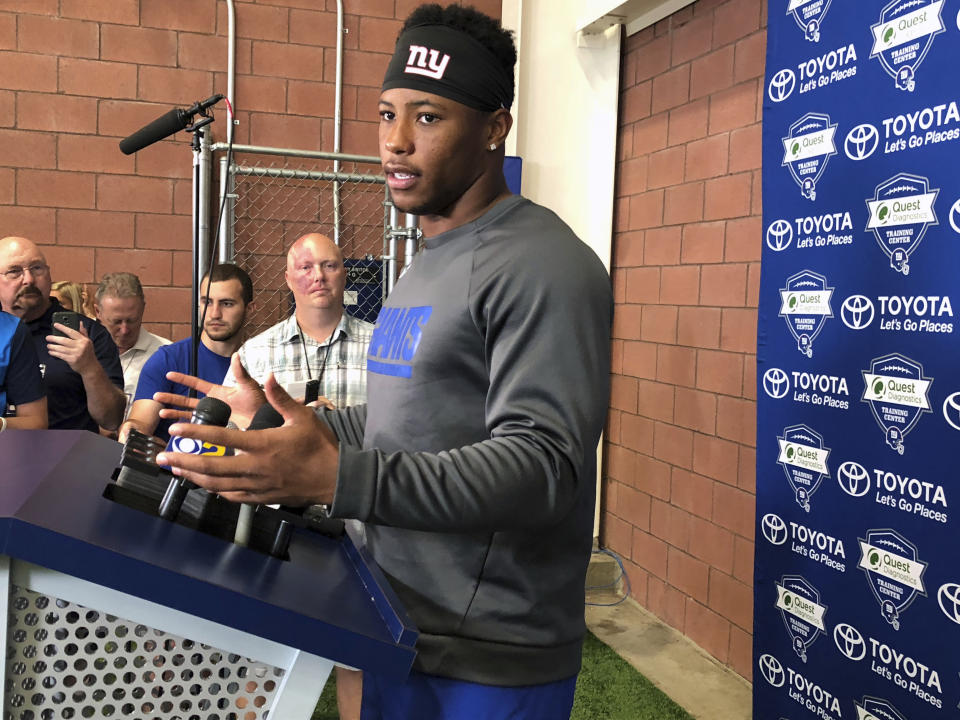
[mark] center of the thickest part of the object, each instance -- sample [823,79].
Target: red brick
[379,35]
[666,167]
[745,148]
[38,224]
[635,103]
[659,324]
[734,108]
[738,330]
[378,8]
[168,305]
[671,89]
[688,122]
[171,85]
[740,657]
[367,101]
[723,285]
[680,18]
[650,134]
[8,32]
[743,551]
[646,210]
[702,243]
[58,113]
[619,281]
[165,159]
[698,327]
[696,410]
[191,15]
[734,509]
[632,176]
[623,392]
[636,580]
[640,361]
[636,433]
[207,52]
[655,400]
[650,553]
[357,137]
[151,266]
[320,28]
[56,36]
[617,535]
[7,186]
[654,59]
[692,40]
[736,19]
[744,240]
[138,45]
[747,476]
[134,194]
[70,263]
[37,7]
[676,365]
[750,57]
[8,101]
[670,524]
[749,377]
[98,79]
[712,73]
[680,285]
[652,477]
[359,68]
[634,507]
[719,372]
[27,149]
[662,246]
[689,575]
[753,285]
[286,131]
[731,598]
[118,12]
[715,458]
[683,204]
[621,464]
[712,544]
[707,629]
[311,98]
[673,445]
[693,493]
[94,228]
[727,197]
[23,71]
[119,118]
[628,250]
[616,357]
[737,420]
[643,284]
[258,21]
[92,153]
[626,322]
[51,188]
[707,158]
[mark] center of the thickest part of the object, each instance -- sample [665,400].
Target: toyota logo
[776,384]
[857,312]
[772,670]
[779,235]
[781,85]
[955,217]
[949,598]
[951,410]
[774,529]
[850,642]
[853,479]
[861,142]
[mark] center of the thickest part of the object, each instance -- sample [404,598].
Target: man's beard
[27,299]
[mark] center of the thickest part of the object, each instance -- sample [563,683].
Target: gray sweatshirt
[474,461]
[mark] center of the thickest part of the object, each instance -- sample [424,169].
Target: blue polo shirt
[176,356]
[66,396]
[20,379]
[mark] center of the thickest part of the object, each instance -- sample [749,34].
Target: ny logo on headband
[418,64]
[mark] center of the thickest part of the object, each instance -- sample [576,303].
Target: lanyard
[306,359]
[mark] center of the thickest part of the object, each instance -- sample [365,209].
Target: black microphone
[266,417]
[166,125]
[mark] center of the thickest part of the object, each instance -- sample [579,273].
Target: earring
[493,146]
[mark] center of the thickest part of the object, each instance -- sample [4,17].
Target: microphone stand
[197,130]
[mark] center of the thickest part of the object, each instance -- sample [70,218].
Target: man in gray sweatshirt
[473,461]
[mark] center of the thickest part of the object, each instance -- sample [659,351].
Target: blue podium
[111,612]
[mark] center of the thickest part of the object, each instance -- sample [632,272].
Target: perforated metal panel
[68,661]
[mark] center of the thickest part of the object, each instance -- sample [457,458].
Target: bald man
[81,369]
[320,342]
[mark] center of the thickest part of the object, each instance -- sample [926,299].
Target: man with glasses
[81,369]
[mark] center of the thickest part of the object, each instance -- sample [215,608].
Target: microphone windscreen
[164,126]
[266,417]
[211,411]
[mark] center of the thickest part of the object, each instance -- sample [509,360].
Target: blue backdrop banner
[857,588]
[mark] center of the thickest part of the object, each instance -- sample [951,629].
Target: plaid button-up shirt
[279,350]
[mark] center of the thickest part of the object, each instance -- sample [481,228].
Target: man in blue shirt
[81,369]
[20,382]
[228,296]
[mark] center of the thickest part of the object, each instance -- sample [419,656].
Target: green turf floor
[608,688]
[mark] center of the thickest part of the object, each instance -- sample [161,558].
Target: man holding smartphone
[79,364]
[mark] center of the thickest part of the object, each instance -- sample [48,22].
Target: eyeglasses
[36,270]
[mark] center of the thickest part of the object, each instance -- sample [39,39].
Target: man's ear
[498,127]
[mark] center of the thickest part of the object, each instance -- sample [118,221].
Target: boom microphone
[166,125]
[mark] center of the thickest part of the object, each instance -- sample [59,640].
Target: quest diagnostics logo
[805,306]
[803,458]
[900,212]
[902,38]
[898,394]
[808,15]
[807,149]
[871,708]
[802,612]
[893,571]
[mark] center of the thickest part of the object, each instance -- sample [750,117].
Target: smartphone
[68,318]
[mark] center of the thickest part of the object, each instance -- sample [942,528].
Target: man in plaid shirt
[320,342]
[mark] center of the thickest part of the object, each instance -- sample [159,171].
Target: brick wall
[76,76]
[679,480]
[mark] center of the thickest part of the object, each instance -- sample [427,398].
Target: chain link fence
[276,195]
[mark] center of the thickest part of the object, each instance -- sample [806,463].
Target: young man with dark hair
[227,294]
[473,464]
